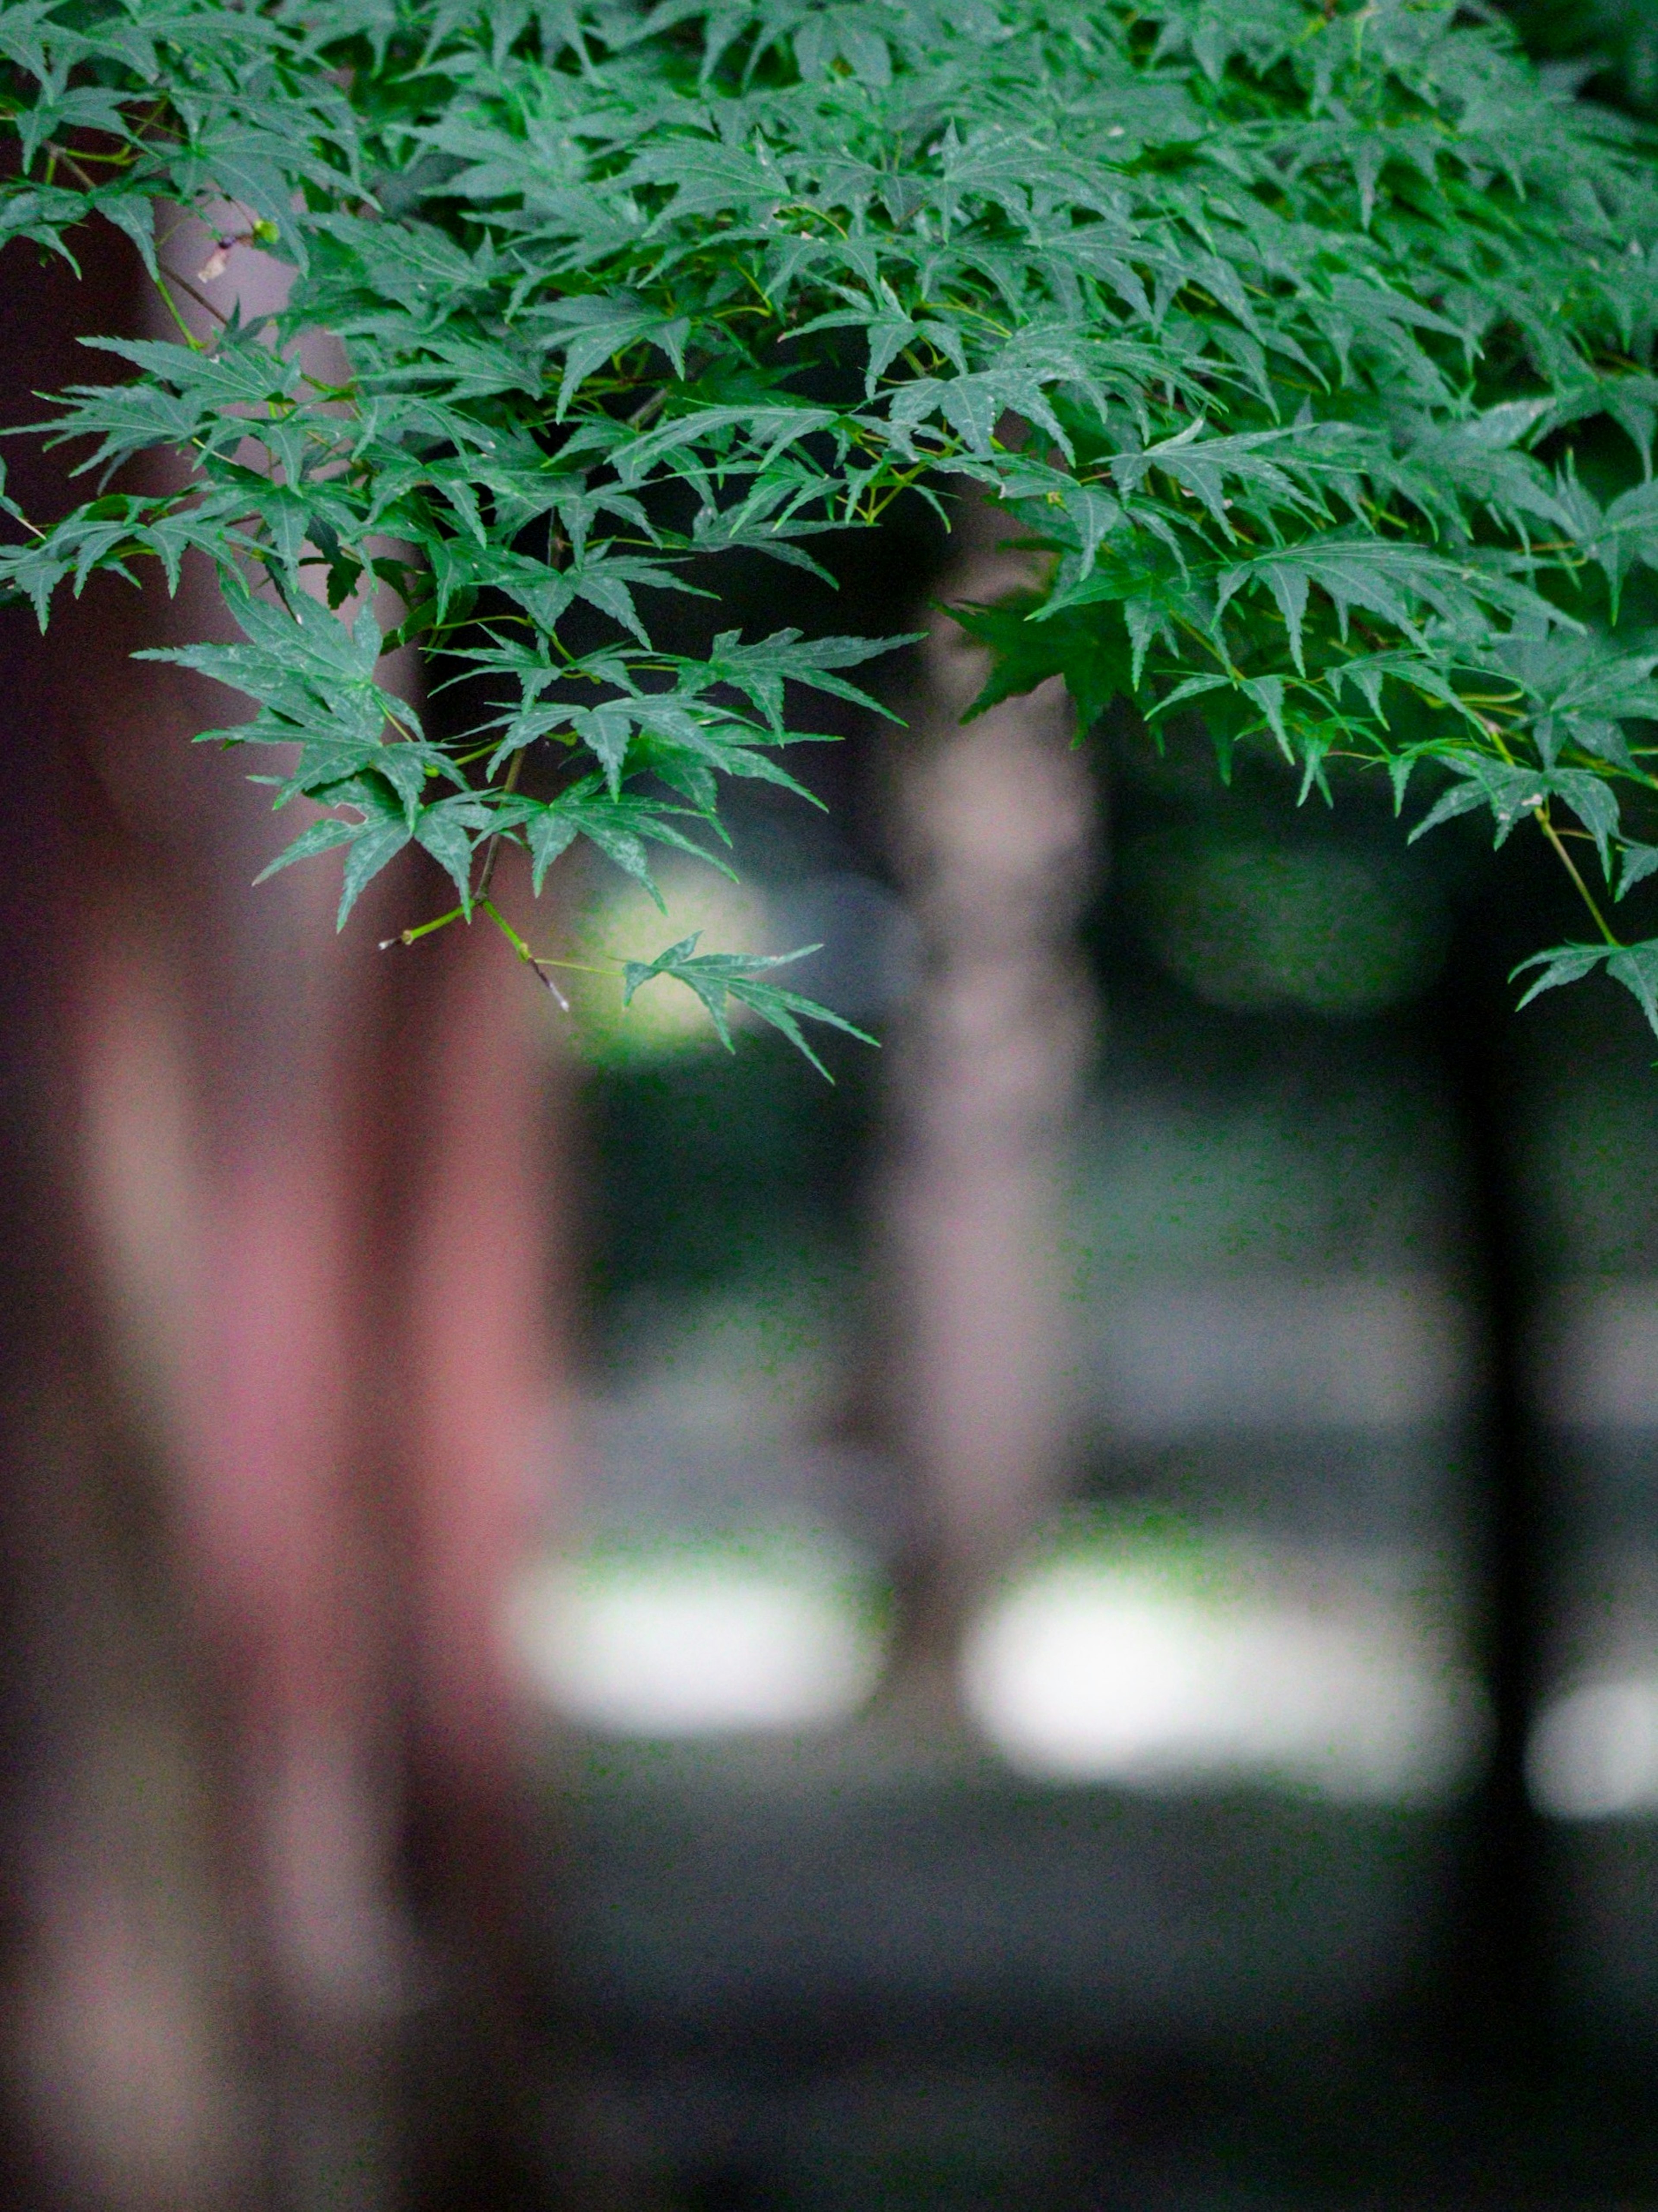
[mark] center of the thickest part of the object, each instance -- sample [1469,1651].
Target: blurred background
[1069,1619]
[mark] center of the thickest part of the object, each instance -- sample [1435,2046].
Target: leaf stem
[422,929]
[172,306]
[1571,868]
[646,413]
[184,285]
[537,967]
[62,154]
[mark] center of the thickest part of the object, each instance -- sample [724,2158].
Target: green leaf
[717,977]
[1257,319]
[1636,967]
[445,831]
[1639,862]
[1565,963]
[375,845]
[320,837]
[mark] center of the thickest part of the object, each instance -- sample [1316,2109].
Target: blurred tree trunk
[287,1362]
[994,832]
[128,2051]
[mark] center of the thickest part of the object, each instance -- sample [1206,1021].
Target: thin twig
[184,285]
[62,154]
[647,410]
[509,783]
[422,929]
[536,968]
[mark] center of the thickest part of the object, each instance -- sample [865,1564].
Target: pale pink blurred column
[488,1271]
[994,840]
[316,1178]
[127,2034]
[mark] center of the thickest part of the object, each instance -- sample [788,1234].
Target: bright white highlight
[624,922]
[685,1644]
[1091,1670]
[1593,1752]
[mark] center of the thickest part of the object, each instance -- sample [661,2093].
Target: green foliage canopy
[1276,326]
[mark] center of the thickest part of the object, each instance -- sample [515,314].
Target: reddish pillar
[316,1180]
